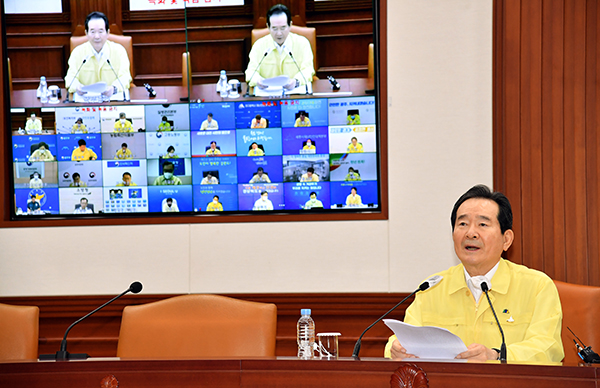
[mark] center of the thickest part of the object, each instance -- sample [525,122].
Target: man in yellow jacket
[82,152]
[525,300]
[91,62]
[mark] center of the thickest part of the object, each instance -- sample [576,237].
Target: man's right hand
[398,352]
[79,91]
[261,85]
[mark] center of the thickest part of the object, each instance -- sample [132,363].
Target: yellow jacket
[127,127]
[275,64]
[300,123]
[88,154]
[212,207]
[124,155]
[95,70]
[256,152]
[525,300]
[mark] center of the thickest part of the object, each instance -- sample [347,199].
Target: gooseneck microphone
[255,71]
[75,77]
[120,83]
[62,354]
[299,71]
[485,288]
[432,281]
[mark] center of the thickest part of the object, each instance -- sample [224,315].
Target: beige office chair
[19,332]
[186,70]
[371,63]
[581,313]
[198,326]
[124,41]
[309,33]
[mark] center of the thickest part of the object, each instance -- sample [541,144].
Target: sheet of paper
[278,81]
[278,91]
[97,88]
[426,341]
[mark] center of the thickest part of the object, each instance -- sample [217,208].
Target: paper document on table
[426,341]
[278,91]
[278,81]
[96,88]
[93,94]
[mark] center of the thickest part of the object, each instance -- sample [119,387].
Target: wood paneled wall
[98,335]
[546,141]
[218,38]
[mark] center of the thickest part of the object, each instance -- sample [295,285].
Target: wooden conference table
[284,372]
[199,93]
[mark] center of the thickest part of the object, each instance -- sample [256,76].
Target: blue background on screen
[294,137]
[203,194]
[317,110]
[182,193]
[223,112]
[225,139]
[22,145]
[270,138]
[67,143]
[248,194]
[296,194]
[366,190]
[48,201]
[179,165]
[339,107]
[226,166]
[246,111]
[272,165]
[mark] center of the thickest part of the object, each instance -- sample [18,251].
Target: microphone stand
[256,70]
[300,71]
[502,358]
[66,101]
[125,99]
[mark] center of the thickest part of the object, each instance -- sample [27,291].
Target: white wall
[440,144]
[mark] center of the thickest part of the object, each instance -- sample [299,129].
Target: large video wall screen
[289,155]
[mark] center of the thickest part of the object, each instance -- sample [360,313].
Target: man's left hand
[109,91]
[478,352]
[291,84]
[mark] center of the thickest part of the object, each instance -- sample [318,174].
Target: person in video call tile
[124,152]
[127,181]
[309,146]
[164,125]
[353,119]
[213,150]
[258,122]
[97,52]
[302,120]
[122,124]
[260,177]
[309,176]
[33,125]
[353,199]
[83,207]
[255,150]
[354,146]
[36,182]
[263,203]
[77,182]
[82,152]
[526,301]
[209,123]
[170,206]
[313,202]
[79,127]
[33,205]
[278,45]
[352,175]
[214,205]
[209,180]
[167,178]
[170,153]
[42,154]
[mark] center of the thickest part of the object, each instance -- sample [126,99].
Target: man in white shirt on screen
[263,203]
[83,208]
[209,123]
[99,54]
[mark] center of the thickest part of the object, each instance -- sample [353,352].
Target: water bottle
[222,85]
[42,90]
[306,335]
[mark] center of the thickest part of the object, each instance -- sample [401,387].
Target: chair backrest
[19,332]
[309,33]
[123,40]
[371,63]
[581,313]
[198,325]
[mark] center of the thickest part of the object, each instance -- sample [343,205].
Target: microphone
[120,83]
[75,77]
[585,352]
[335,85]
[432,281]
[62,354]
[485,288]
[299,71]
[255,70]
